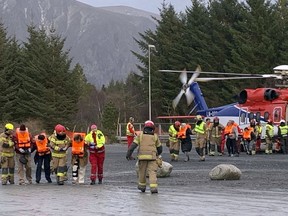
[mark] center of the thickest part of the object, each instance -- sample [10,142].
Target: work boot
[142,189]
[92,182]
[60,183]
[49,180]
[154,190]
[187,157]
[132,158]
[100,181]
[22,182]
[4,183]
[37,181]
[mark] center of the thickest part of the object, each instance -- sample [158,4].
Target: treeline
[38,81]
[224,35]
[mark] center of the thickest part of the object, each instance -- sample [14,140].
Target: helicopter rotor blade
[207,79]
[189,96]
[183,77]
[177,98]
[223,73]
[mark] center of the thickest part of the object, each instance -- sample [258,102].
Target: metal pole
[149,78]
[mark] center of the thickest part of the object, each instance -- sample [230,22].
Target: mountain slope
[99,39]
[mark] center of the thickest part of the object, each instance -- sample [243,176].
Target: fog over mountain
[100,39]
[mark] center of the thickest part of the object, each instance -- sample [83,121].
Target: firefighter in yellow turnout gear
[269,136]
[174,145]
[150,149]
[59,143]
[7,154]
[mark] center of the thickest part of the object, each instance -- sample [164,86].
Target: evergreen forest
[39,83]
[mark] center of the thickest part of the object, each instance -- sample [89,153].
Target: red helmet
[149,124]
[177,123]
[60,128]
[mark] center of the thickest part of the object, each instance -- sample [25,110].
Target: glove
[22,150]
[92,145]
[5,145]
[159,161]
[64,149]
[29,150]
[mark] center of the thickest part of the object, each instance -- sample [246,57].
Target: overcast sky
[147,5]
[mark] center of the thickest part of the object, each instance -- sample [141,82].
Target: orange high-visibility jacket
[247,133]
[78,146]
[23,138]
[42,144]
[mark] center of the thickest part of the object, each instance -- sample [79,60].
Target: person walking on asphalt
[174,145]
[130,133]
[43,154]
[7,154]
[96,142]
[23,145]
[200,131]
[79,158]
[185,139]
[149,151]
[59,143]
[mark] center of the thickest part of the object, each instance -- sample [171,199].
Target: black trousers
[39,160]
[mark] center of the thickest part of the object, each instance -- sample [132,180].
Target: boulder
[225,172]
[162,172]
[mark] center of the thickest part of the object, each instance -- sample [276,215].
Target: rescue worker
[59,142]
[150,149]
[79,159]
[282,134]
[248,139]
[239,136]
[174,145]
[185,139]
[130,133]
[215,129]
[231,134]
[7,154]
[23,145]
[258,132]
[200,131]
[96,142]
[207,140]
[269,133]
[42,155]
[252,127]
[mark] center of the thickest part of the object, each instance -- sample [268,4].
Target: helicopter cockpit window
[258,116]
[277,115]
[242,117]
[266,116]
[251,116]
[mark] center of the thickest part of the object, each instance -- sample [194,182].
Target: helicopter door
[243,116]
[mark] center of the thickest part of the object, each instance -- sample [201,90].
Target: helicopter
[261,104]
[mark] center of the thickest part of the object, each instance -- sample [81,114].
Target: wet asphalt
[262,189]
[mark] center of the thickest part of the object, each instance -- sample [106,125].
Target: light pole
[149,79]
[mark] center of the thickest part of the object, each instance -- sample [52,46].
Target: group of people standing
[51,151]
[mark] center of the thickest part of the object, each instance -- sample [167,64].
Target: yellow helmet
[9,126]
[198,117]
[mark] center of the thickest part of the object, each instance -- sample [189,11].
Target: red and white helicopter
[260,104]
